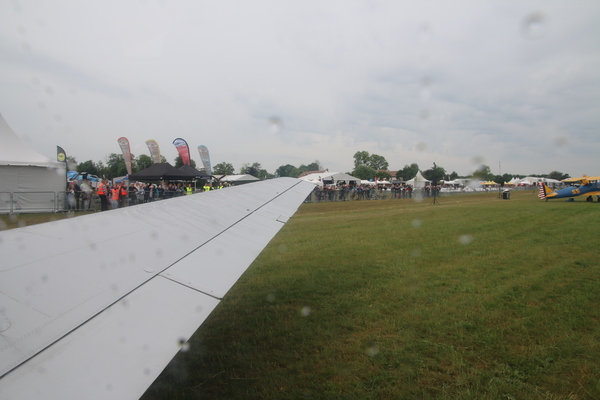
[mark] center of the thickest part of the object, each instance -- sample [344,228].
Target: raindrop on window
[372,349]
[276,124]
[305,312]
[421,147]
[283,248]
[416,253]
[26,46]
[416,223]
[184,344]
[561,141]
[534,25]
[465,239]
[271,298]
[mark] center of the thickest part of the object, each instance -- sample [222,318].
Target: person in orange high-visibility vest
[103,194]
[114,198]
[123,194]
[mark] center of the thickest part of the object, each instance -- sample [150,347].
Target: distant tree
[408,172]
[179,162]
[361,158]
[483,173]
[506,177]
[115,166]
[378,162]
[364,172]
[163,159]
[383,175]
[453,176]
[435,174]
[71,163]
[252,169]
[559,176]
[91,167]
[223,168]
[499,179]
[285,170]
[315,166]
[142,162]
[263,174]
[374,161]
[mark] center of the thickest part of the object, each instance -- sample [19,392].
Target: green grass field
[474,298]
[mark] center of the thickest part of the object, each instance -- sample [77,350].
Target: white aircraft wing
[95,307]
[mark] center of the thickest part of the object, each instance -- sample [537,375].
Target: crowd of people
[81,195]
[371,192]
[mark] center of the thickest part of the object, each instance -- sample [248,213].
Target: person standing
[103,194]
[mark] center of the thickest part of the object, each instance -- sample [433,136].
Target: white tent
[331,177]
[245,178]
[29,182]
[418,181]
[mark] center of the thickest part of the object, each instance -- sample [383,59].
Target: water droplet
[465,239]
[305,312]
[534,25]
[48,89]
[421,147]
[283,248]
[372,349]
[561,141]
[26,46]
[424,114]
[198,309]
[271,298]
[276,124]
[426,87]
[147,371]
[4,323]
[184,344]
[416,253]
[416,223]
[424,33]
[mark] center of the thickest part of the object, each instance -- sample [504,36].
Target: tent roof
[188,169]
[161,171]
[239,178]
[15,152]
[336,176]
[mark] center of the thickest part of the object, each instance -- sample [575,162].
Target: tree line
[366,166]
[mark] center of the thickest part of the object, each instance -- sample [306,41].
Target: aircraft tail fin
[544,190]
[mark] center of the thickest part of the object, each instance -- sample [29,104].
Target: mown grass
[475,298]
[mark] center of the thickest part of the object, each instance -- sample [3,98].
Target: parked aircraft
[95,307]
[589,186]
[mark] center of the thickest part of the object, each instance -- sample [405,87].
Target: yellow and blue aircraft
[590,186]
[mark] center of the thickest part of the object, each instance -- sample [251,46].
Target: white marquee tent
[27,177]
[418,181]
[330,177]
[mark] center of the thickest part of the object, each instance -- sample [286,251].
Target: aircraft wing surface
[95,307]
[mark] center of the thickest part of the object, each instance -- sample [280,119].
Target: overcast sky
[510,84]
